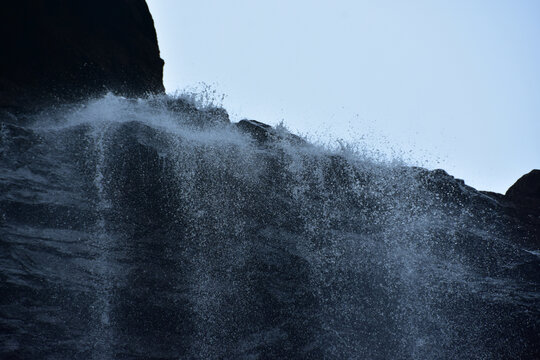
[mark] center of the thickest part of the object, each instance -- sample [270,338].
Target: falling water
[151,229]
[103,271]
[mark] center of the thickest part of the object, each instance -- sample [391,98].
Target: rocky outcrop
[264,133]
[66,50]
[523,201]
[525,192]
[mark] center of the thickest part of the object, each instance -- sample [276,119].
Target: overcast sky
[450,84]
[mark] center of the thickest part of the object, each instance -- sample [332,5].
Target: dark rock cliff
[65,50]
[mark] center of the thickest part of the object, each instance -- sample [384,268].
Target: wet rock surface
[143,229]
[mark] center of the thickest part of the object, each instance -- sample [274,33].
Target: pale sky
[448,84]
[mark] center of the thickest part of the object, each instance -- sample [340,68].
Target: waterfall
[151,228]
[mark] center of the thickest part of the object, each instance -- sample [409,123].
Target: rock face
[153,230]
[65,50]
